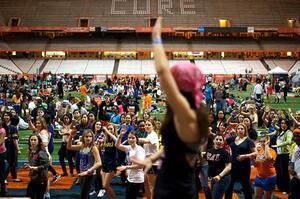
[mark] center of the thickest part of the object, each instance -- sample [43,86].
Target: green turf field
[292,102]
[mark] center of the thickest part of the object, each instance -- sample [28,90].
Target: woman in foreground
[185,127]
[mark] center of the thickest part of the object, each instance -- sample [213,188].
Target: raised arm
[70,146]
[292,116]
[118,142]
[177,102]
[110,134]
[31,126]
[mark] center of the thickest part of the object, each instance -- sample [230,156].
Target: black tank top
[176,178]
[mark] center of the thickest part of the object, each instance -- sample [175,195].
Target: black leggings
[132,190]
[2,170]
[64,153]
[281,166]
[12,160]
[98,180]
[86,185]
[243,175]
[36,190]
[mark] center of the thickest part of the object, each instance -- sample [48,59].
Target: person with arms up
[265,180]
[185,127]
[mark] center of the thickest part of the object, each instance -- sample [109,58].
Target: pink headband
[189,78]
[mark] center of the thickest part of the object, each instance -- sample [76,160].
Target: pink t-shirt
[2,136]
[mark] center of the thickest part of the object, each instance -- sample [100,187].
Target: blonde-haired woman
[89,160]
[242,149]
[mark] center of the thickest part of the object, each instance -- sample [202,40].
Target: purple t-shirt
[2,145]
[87,160]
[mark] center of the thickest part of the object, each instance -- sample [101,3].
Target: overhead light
[224,23]
[292,23]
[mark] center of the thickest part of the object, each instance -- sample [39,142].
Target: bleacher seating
[24,64]
[211,66]
[73,66]
[94,67]
[52,66]
[256,66]
[36,66]
[10,65]
[100,67]
[148,67]
[4,71]
[285,64]
[130,67]
[295,68]
[136,13]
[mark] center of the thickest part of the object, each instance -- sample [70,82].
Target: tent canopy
[278,70]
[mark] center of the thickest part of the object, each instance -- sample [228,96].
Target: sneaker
[47,195]
[56,178]
[93,193]
[17,180]
[101,193]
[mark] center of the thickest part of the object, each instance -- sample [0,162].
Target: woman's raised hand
[156,31]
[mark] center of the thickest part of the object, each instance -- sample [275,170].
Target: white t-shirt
[135,175]
[152,147]
[31,105]
[258,89]
[296,160]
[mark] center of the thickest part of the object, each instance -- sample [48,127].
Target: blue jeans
[218,188]
[204,176]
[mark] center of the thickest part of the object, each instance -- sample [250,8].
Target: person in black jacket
[38,162]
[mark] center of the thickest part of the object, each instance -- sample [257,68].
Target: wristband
[157,40]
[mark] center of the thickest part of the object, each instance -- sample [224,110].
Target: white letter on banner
[190,6]
[166,7]
[113,10]
[141,12]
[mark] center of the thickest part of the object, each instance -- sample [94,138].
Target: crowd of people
[207,135]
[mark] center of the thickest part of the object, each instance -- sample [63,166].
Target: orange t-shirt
[147,101]
[16,100]
[265,168]
[83,90]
